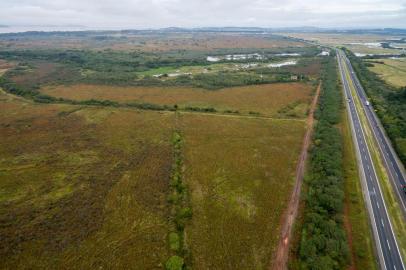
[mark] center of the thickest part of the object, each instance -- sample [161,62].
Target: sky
[142,14]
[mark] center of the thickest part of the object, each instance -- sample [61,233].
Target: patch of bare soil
[282,251]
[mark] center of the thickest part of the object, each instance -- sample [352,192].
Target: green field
[393,71]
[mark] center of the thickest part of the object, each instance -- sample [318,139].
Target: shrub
[174,263]
[174,241]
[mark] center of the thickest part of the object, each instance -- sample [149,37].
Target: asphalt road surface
[393,166]
[386,245]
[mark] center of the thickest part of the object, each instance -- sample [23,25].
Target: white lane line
[387,241]
[383,225]
[377,204]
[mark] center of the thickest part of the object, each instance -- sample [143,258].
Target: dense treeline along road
[323,240]
[386,243]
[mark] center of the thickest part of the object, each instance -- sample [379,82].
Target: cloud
[194,13]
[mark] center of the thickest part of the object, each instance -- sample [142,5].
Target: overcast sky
[133,14]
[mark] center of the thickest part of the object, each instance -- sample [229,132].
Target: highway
[385,240]
[392,164]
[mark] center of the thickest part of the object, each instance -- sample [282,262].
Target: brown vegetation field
[268,100]
[82,188]
[240,173]
[87,187]
[42,72]
[151,43]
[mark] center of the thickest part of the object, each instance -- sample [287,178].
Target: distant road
[385,240]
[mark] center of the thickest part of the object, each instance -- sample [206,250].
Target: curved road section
[385,240]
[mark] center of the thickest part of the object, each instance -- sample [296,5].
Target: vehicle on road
[367,103]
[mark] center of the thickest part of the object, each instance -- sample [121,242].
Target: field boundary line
[289,217]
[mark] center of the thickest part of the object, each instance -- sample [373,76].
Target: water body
[281,64]
[20,29]
[233,57]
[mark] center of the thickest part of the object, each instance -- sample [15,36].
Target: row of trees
[324,243]
[389,102]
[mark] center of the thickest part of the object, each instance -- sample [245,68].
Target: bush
[174,241]
[174,263]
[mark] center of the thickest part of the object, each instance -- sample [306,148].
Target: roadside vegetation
[324,242]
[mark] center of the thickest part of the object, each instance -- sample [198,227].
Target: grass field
[393,71]
[233,169]
[294,98]
[86,187]
[81,187]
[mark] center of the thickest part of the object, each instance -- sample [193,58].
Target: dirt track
[282,251]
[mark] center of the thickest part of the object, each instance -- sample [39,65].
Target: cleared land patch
[264,99]
[239,173]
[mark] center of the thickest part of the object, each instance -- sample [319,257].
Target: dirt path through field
[282,251]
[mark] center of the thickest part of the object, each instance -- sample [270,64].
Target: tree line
[323,239]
